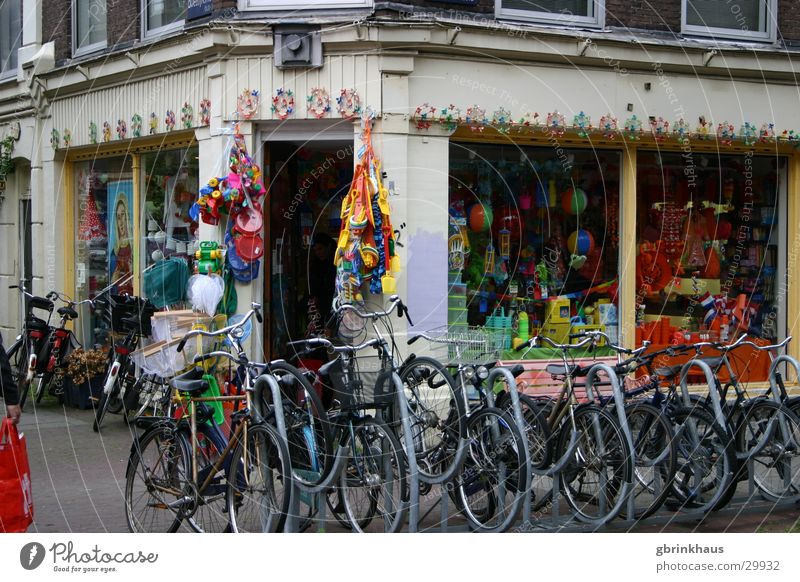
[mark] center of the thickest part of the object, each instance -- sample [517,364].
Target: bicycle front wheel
[596,479]
[491,486]
[259,481]
[373,483]
[704,476]
[437,414]
[18,357]
[158,481]
[769,436]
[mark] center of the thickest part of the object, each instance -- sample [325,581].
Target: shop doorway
[308,182]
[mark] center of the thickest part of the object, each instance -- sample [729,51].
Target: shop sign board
[198,8]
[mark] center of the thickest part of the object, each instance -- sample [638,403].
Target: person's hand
[13,412]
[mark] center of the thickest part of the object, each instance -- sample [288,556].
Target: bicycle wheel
[655,456]
[540,444]
[373,483]
[769,436]
[157,479]
[109,399]
[704,476]
[18,357]
[596,479]
[437,415]
[209,513]
[491,485]
[258,481]
[307,426]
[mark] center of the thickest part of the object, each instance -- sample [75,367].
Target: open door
[307,183]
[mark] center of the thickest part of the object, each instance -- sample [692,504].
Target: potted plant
[83,375]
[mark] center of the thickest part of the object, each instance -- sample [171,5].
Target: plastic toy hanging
[366,246]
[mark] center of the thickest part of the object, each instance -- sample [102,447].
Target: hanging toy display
[366,247]
[209,257]
[187,115]
[480,217]
[348,104]
[205,111]
[136,125]
[106,132]
[574,201]
[319,102]
[247,104]
[580,242]
[505,243]
[488,260]
[283,103]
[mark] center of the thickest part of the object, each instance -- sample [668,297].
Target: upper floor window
[735,19]
[297,5]
[89,25]
[162,16]
[585,12]
[10,35]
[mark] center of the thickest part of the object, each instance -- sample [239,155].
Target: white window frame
[10,74]
[89,48]
[148,33]
[597,20]
[295,5]
[769,35]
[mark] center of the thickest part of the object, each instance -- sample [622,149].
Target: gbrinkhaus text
[688,549]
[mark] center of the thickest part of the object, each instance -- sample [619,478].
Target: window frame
[89,48]
[149,33]
[597,20]
[275,5]
[769,35]
[11,74]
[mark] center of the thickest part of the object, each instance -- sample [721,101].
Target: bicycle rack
[296,487]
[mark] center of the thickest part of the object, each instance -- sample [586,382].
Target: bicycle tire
[43,385]
[492,435]
[769,434]
[601,447]
[103,404]
[438,420]
[375,467]
[307,425]
[655,455]
[18,357]
[540,445]
[262,448]
[173,465]
[700,440]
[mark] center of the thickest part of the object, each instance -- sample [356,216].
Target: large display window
[711,235]
[104,243]
[534,244]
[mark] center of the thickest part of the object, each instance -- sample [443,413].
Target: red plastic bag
[16,499]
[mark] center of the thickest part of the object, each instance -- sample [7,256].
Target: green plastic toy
[209,257]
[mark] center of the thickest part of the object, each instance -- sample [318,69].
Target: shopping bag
[16,500]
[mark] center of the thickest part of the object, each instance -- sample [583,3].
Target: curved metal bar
[592,377]
[773,369]
[711,380]
[411,457]
[504,373]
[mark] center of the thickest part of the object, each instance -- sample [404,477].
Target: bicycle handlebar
[322,342]
[440,340]
[255,309]
[721,347]
[536,339]
[397,303]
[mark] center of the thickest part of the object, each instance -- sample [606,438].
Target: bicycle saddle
[518,370]
[190,382]
[713,362]
[561,370]
[668,372]
[325,369]
[67,312]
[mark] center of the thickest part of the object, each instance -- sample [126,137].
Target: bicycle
[130,315]
[200,477]
[765,431]
[481,491]
[587,449]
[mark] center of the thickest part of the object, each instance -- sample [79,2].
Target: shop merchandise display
[528,243]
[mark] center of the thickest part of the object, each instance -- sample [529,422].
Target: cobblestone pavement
[79,480]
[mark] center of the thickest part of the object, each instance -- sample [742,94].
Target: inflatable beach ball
[574,201]
[480,217]
[580,242]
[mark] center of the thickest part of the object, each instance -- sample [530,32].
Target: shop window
[104,235]
[533,246]
[745,19]
[295,5]
[10,35]
[171,179]
[162,16]
[89,25]
[586,12]
[711,235]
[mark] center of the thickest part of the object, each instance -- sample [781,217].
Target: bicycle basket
[128,313]
[473,345]
[365,384]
